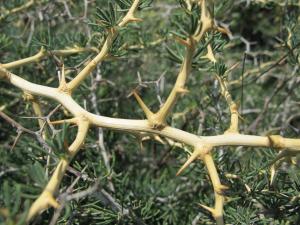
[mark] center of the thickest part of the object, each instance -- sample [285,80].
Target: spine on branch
[112,34]
[155,127]
[47,198]
[158,120]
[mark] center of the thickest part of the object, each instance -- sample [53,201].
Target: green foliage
[125,4]
[4,41]
[144,181]
[107,18]
[185,23]
[220,68]
[11,195]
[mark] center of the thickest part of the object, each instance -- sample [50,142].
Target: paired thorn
[63,85]
[63,76]
[27,96]
[272,175]
[158,139]
[141,137]
[155,120]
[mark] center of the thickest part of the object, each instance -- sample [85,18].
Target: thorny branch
[154,125]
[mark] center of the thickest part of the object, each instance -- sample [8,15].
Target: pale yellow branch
[130,125]
[198,153]
[43,54]
[158,119]
[217,211]
[233,107]
[179,87]
[206,21]
[47,198]
[112,34]
[72,120]
[127,125]
[155,126]
[17,9]
[129,17]
[37,111]
[210,54]
[145,108]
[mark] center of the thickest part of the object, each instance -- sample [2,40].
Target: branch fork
[233,107]
[155,127]
[4,74]
[198,153]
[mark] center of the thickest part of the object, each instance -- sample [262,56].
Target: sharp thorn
[146,110]
[53,202]
[223,30]
[73,120]
[233,67]
[159,139]
[272,176]
[182,41]
[210,55]
[134,19]
[221,188]
[192,158]
[211,210]
[182,90]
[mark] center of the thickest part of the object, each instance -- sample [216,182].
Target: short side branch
[43,53]
[217,211]
[47,198]
[112,34]
[158,120]
[233,107]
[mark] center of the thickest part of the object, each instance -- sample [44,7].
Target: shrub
[81,64]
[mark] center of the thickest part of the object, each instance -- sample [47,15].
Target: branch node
[155,120]
[4,74]
[63,86]
[220,189]
[276,141]
[199,152]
